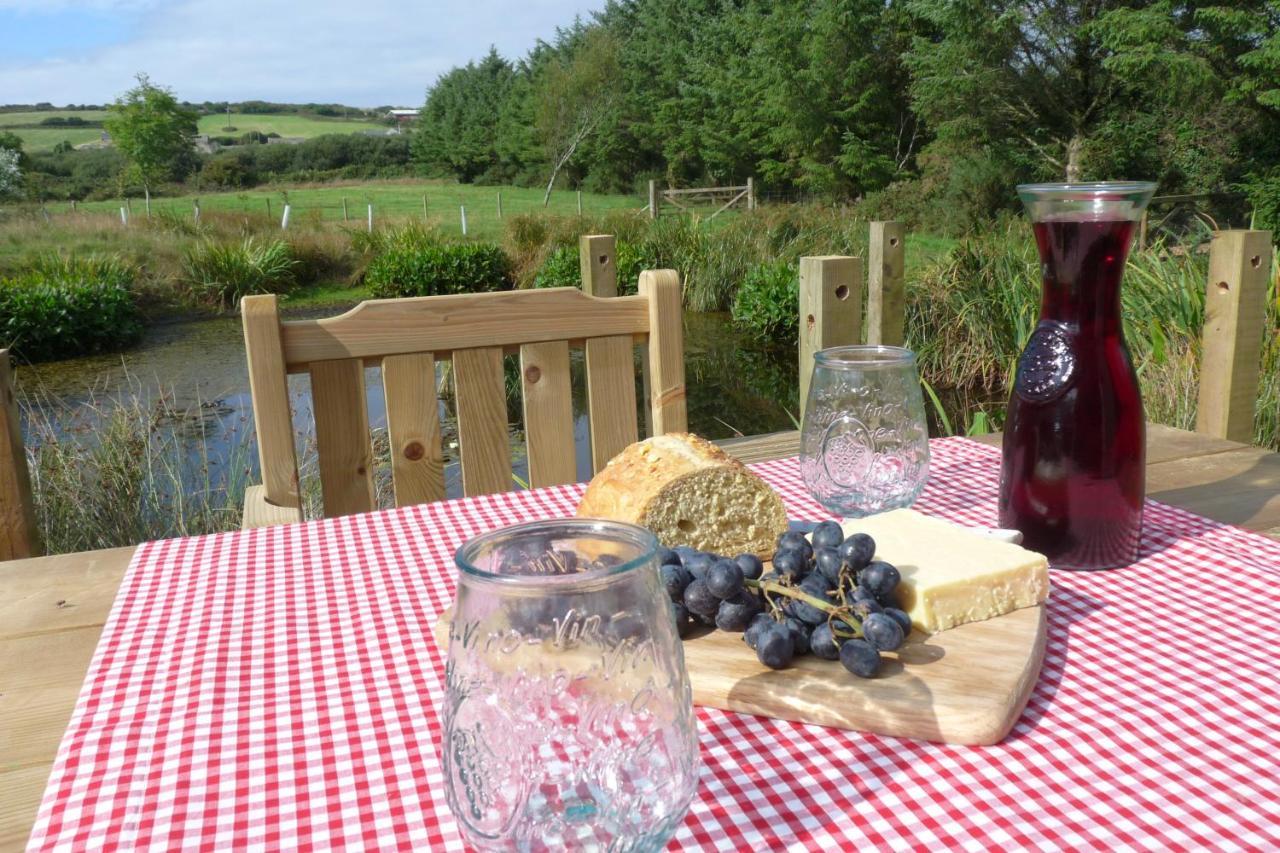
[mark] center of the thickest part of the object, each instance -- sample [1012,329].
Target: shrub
[225,272]
[61,307]
[768,303]
[439,269]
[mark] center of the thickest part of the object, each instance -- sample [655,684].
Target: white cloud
[362,53]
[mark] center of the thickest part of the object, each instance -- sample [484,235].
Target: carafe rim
[864,356]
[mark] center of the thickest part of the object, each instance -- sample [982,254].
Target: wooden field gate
[726,197]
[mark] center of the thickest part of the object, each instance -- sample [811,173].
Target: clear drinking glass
[568,718]
[864,445]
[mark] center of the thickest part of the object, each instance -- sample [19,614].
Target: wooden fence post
[579,202]
[751,193]
[195,210]
[653,199]
[370,225]
[268,200]
[596,253]
[830,309]
[73,205]
[124,216]
[424,205]
[19,535]
[344,209]
[284,220]
[886,299]
[1234,322]
[462,211]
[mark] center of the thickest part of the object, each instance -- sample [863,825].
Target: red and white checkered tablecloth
[280,689]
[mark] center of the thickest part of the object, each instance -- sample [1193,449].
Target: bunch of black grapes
[827,597]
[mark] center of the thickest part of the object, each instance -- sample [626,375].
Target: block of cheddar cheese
[950,575]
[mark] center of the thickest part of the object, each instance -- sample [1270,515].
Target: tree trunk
[1075,157]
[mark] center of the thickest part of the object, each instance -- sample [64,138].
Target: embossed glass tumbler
[864,444]
[568,717]
[1073,472]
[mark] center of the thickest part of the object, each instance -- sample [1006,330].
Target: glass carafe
[1073,473]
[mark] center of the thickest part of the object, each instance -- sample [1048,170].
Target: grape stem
[832,611]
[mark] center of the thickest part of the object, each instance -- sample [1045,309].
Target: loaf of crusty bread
[688,492]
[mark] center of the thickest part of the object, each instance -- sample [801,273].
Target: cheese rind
[951,576]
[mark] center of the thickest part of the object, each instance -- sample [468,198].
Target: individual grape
[857,551]
[860,658]
[791,540]
[805,612]
[751,566]
[800,633]
[882,631]
[901,617]
[700,600]
[814,584]
[823,643]
[668,557]
[790,563]
[774,647]
[759,623]
[735,614]
[865,608]
[697,563]
[828,563]
[674,580]
[827,535]
[684,619]
[861,593]
[880,577]
[724,578]
[889,600]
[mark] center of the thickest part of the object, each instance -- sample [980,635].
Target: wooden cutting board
[967,685]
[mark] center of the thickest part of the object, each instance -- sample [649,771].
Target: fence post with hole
[653,199]
[19,535]
[596,262]
[1234,324]
[886,299]
[284,220]
[830,309]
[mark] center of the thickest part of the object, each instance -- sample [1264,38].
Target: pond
[192,379]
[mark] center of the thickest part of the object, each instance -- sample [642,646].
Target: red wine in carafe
[1074,443]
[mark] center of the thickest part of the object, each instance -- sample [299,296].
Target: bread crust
[624,489]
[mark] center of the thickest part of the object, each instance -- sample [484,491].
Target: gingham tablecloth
[280,689]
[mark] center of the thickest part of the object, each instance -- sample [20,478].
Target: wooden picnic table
[52,609]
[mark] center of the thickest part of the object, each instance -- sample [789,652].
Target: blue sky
[357,52]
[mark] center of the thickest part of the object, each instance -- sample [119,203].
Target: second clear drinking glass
[568,716]
[864,444]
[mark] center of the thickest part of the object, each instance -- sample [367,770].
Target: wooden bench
[407,337]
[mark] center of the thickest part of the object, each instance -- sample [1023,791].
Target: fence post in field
[19,536]
[653,199]
[596,262]
[1234,324]
[462,210]
[499,204]
[830,309]
[195,210]
[268,200]
[751,193]
[579,202]
[128,204]
[124,216]
[424,205]
[886,299]
[73,205]
[284,220]
[370,223]
[344,208]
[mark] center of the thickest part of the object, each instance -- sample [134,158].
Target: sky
[356,52]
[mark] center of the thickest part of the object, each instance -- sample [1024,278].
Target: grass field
[44,138]
[285,125]
[391,200]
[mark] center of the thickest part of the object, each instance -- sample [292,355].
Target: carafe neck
[1082,263]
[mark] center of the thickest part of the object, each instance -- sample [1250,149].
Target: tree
[457,128]
[152,130]
[573,96]
[10,173]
